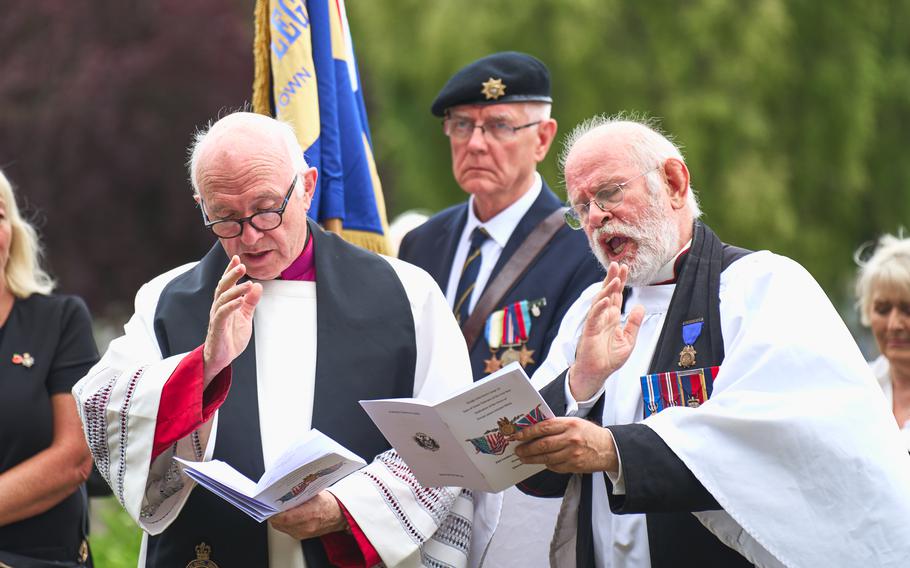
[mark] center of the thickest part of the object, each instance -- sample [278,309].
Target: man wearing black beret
[508,264]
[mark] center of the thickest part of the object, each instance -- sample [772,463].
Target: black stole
[366,349]
[679,539]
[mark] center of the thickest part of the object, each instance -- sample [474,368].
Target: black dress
[45,348]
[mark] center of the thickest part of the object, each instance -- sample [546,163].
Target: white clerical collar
[667,273]
[501,226]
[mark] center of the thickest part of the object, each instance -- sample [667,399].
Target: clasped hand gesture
[605,344]
[230,319]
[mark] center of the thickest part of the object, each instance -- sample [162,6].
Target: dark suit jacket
[562,270]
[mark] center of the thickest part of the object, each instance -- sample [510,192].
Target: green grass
[114,537]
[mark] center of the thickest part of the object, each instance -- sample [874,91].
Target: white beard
[657,238]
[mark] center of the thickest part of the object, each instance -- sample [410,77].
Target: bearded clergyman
[715,410]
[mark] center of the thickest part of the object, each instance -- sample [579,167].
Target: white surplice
[119,399]
[796,443]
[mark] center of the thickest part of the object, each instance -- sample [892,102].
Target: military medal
[492,364]
[691,330]
[696,385]
[677,388]
[669,395]
[516,323]
[509,328]
[524,356]
[651,394]
[687,356]
[492,331]
[203,552]
[509,356]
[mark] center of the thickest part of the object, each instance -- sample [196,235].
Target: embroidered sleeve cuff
[350,549]
[184,406]
[579,408]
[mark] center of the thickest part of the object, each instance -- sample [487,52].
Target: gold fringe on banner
[262,60]
[364,239]
[332,224]
[367,239]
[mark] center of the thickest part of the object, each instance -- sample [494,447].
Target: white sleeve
[443,364]
[580,408]
[409,524]
[118,402]
[619,483]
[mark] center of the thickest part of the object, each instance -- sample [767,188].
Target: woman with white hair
[883,293]
[46,346]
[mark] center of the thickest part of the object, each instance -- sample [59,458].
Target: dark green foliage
[114,537]
[790,113]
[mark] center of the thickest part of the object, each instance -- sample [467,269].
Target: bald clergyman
[280,328]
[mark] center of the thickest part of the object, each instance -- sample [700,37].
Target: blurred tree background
[98,102]
[791,114]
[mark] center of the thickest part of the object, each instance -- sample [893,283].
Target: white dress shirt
[500,228]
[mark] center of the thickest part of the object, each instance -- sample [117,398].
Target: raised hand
[605,344]
[230,319]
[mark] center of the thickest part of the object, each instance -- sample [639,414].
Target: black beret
[506,77]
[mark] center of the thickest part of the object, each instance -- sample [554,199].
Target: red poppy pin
[26,360]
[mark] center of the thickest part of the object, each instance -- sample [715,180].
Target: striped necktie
[469,275]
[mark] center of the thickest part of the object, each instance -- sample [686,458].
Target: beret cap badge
[498,78]
[493,88]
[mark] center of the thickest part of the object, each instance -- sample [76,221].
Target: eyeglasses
[462,129]
[605,199]
[261,221]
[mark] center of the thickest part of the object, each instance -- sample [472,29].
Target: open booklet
[463,440]
[303,470]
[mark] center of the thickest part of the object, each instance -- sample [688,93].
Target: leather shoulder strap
[514,269]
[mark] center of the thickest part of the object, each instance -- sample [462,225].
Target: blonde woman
[883,293]
[46,345]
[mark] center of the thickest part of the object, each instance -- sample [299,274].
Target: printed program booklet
[462,440]
[312,464]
